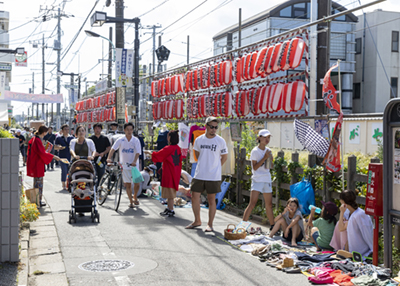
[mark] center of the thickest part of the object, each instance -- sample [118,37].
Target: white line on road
[120,278]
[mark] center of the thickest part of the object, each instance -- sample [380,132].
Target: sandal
[252,230]
[136,202]
[131,206]
[258,231]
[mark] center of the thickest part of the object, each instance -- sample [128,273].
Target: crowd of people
[352,231]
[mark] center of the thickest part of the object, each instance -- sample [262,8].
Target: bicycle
[111,184]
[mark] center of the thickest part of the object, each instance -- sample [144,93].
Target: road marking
[120,278]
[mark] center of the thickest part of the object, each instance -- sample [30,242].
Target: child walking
[291,222]
[261,162]
[322,228]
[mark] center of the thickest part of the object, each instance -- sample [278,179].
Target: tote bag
[136,176]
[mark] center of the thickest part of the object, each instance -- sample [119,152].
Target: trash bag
[304,192]
[136,176]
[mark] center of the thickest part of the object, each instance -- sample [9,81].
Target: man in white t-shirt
[211,152]
[129,151]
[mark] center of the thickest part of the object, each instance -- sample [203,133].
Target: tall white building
[6,60]
[376,82]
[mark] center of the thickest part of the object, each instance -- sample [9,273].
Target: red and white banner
[332,158]
[21,60]
[329,92]
[29,97]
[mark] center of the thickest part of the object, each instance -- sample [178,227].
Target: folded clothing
[314,258]
[366,280]
[341,279]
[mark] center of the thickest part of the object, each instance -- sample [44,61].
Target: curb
[24,257]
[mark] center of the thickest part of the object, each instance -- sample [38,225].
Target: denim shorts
[261,187]
[315,235]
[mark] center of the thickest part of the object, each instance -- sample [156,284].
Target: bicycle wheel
[103,189]
[118,192]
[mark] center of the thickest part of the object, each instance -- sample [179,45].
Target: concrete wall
[9,200]
[358,134]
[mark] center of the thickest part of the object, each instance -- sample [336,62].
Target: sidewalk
[40,252]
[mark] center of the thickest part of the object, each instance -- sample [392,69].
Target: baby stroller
[82,181]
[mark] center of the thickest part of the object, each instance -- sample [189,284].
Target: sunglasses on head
[213,127]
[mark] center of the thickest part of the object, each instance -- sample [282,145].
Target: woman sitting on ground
[291,222]
[322,228]
[358,225]
[147,173]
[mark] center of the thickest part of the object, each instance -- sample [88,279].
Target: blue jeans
[100,172]
[64,171]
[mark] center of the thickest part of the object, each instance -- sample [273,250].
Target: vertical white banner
[2,84]
[123,67]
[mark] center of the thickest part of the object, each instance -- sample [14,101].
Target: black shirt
[21,141]
[101,144]
[51,137]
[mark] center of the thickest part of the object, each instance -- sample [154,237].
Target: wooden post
[312,162]
[295,176]
[375,160]
[237,159]
[281,154]
[241,167]
[351,172]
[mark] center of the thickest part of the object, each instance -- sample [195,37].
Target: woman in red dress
[37,159]
[171,158]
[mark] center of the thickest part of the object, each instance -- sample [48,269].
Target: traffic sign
[5,67]
[71,86]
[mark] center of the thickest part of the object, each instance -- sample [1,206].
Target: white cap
[152,167]
[18,130]
[264,133]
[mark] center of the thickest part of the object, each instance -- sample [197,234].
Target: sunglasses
[212,127]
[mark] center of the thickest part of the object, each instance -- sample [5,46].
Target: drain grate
[106,265]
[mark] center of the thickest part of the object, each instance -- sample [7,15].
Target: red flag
[332,158]
[329,91]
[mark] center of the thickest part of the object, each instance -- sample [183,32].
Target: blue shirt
[64,153]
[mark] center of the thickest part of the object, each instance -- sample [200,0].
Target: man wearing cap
[21,138]
[103,146]
[322,229]
[211,152]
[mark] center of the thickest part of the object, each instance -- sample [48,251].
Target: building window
[358,46]
[286,12]
[300,10]
[395,41]
[340,18]
[357,90]
[393,84]
[338,46]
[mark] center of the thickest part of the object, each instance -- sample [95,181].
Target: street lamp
[17,51]
[95,35]
[97,20]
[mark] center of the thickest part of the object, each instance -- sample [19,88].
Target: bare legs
[196,208]
[136,187]
[212,209]
[128,187]
[253,201]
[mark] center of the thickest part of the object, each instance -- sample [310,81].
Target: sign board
[73,97]
[21,60]
[120,96]
[29,97]
[123,67]
[5,67]
[374,198]
[2,85]
[74,86]
[236,131]
[101,86]
[391,174]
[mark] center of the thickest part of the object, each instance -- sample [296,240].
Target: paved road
[163,252]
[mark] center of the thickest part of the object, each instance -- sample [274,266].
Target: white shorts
[262,187]
[127,174]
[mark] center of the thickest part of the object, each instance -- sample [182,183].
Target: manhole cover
[106,265]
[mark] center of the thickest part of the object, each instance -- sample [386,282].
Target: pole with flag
[341,134]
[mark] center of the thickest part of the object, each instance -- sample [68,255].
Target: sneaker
[171,213]
[165,212]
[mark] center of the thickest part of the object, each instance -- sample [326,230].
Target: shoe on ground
[165,212]
[171,213]
[42,204]
[81,214]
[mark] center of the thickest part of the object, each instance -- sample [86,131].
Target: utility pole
[154,27]
[119,43]
[43,63]
[323,61]
[240,29]
[109,82]
[136,71]
[33,90]
[187,51]
[159,68]
[58,65]
[71,110]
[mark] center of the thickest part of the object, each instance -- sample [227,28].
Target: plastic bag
[136,176]
[304,192]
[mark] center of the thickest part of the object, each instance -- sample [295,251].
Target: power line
[177,20]
[80,29]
